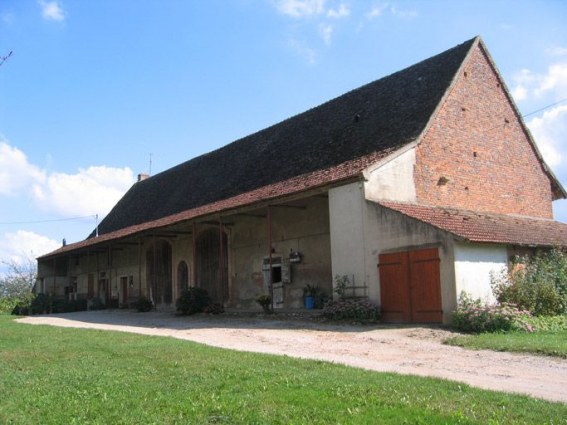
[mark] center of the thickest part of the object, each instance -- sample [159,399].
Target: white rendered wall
[392,178]
[346,204]
[473,264]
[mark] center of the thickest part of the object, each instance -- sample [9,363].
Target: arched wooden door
[182,277]
[158,275]
[211,269]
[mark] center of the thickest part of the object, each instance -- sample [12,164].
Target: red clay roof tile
[487,227]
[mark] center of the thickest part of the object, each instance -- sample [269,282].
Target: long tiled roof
[378,117]
[487,227]
[300,183]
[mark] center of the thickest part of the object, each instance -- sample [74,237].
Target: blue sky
[94,87]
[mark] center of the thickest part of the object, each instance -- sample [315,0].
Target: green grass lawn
[54,375]
[546,343]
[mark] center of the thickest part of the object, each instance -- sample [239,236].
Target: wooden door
[394,287]
[212,264]
[410,286]
[90,288]
[425,286]
[124,284]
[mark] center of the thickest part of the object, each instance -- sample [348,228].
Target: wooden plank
[425,286]
[90,289]
[394,287]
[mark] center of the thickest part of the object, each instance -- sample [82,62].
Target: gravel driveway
[407,350]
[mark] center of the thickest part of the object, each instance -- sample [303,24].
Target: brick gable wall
[476,155]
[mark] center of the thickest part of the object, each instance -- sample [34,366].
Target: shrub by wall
[361,310]
[537,284]
[491,318]
[192,301]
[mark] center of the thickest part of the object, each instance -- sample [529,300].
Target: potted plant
[265,302]
[309,293]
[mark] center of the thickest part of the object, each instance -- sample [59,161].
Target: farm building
[415,186]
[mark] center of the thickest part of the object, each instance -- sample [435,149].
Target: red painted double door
[410,286]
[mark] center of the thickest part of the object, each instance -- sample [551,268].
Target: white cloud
[90,191]
[555,79]
[403,14]
[94,190]
[377,11]
[520,93]
[300,8]
[326,31]
[557,51]
[530,85]
[342,12]
[52,10]
[16,173]
[549,132]
[22,245]
[304,51]
[8,18]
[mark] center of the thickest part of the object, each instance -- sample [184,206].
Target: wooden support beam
[297,207]
[252,215]
[194,255]
[139,267]
[155,274]
[221,258]
[54,274]
[270,254]
[215,223]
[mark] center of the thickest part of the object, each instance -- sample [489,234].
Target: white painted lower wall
[346,206]
[361,230]
[473,265]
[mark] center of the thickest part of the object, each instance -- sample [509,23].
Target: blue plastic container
[309,303]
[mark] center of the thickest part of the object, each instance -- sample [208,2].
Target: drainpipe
[270,255]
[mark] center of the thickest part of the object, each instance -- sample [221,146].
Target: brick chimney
[143,176]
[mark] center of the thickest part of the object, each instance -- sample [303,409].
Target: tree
[20,279]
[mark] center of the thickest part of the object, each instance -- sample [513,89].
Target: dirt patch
[404,349]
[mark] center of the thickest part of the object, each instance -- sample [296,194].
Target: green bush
[80,305]
[548,323]
[42,303]
[143,305]
[192,301]
[264,301]
[214,308]
[321,299]
[48,303]
[472,317]
[362,310]
[9,304]
[21,309]
[537,284]
[97,304]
